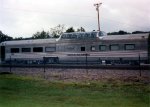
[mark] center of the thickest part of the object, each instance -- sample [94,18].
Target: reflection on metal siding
[114,47]
[129,46]
[102,47]
[50,49]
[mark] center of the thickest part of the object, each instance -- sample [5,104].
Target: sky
[23,18]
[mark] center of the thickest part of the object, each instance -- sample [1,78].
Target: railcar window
[14,50]
[81,35]
[100,34]
[50,49]
[114,47]
[102,47]
[73,36]
[87,35]
[82,48]
[63,36]
[93,48]
[129,46]
[26,49]
[38,49]
[76,35]
[93,34]
[69,36]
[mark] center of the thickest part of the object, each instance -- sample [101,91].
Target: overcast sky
[23,18]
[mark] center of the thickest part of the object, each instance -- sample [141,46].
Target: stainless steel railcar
[78,48]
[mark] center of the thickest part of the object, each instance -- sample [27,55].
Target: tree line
[55,32]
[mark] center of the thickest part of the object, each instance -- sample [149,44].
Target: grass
[18,91]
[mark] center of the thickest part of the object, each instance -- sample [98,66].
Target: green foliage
[139,32]
[19,38]
[81,29]
[57,31]
[41,35]
[69,30]
[121,32]
[18,91]
[4,37]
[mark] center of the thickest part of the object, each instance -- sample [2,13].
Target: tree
[69,30]
[41,35]
[4,37]
[57,31]
[19,38]
[138,32]
[81,29]
[121,32]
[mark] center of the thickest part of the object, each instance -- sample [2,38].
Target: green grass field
[17,91]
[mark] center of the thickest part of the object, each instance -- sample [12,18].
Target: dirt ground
[77,75]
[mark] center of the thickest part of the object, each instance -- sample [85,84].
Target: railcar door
[2,53]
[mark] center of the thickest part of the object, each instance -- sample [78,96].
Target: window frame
[18,50]
[93,48]
[37,48]
[101,46]
[82,48]
[125,48]
[49,48]
[114,45]
[25,51]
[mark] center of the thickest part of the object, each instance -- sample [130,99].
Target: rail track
[80,66]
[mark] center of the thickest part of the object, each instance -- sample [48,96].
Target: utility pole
[97,5]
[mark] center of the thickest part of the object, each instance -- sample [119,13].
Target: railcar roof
[51,40]
[126,37]
[36,41]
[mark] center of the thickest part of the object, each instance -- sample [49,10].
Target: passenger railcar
[78,48]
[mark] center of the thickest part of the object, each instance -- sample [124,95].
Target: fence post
[44,66]
[86,63]
[10,64]
[140,65]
